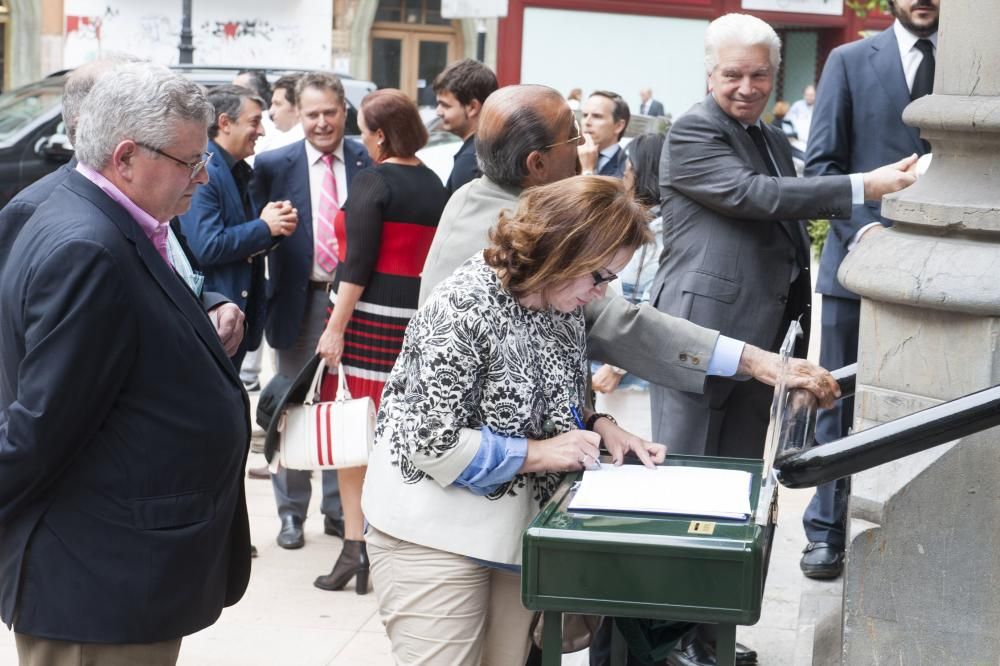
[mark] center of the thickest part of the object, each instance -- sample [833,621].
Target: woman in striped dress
[383,235]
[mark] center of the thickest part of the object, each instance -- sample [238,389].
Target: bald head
[518,129]
[79,84]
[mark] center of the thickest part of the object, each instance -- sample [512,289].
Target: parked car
[33,139]
[439,152]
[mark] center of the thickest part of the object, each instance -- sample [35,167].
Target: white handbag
[327,435]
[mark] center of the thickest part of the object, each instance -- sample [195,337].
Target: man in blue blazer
[223,229]
[857,124]
[313,174]
[124,428]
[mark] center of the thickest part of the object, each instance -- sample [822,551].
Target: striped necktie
[325,247]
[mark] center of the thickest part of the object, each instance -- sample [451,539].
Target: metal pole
[186,48]
[480,40]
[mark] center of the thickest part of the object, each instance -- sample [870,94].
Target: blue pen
[579,423]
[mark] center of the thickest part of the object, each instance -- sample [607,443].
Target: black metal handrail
[800,464]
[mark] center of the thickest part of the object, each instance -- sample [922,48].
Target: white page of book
[694,491]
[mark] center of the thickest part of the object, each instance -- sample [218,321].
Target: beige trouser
[32,651]
[442,609]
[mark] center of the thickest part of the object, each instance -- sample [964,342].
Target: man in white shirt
[800,115]
[605,117]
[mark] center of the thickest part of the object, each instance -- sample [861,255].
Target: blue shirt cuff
[725,357]
[496,462]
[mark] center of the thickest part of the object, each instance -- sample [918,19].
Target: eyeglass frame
[195,167]
[578,139]
[601,279]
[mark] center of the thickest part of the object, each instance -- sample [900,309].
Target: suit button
[695,360]
[244,293]
[781,299]
[249,260]
[683,356]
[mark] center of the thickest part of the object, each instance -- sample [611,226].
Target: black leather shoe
[695,652]
[822,561]
[291,536]
[333,526]
[353,562]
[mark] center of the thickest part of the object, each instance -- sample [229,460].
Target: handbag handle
[312,396]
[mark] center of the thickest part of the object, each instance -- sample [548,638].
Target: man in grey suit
[736,252]
[649,106]
[858,124]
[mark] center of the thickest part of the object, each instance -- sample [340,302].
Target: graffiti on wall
[291,34]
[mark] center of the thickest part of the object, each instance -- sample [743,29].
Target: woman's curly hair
[563,231]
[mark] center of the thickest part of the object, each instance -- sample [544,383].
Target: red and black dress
[384,233]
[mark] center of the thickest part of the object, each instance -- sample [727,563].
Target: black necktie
[923,81]
[757,136]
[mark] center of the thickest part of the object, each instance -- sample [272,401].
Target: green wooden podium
[668,567]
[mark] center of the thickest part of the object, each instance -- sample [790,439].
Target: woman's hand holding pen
[571,451]
[618,442]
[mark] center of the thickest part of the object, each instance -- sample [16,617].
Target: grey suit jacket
[733,235]
[658,348]
[858,126]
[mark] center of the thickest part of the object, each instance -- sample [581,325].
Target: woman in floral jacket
[480,416]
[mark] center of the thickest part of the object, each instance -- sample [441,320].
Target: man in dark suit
[110,374]
[736,253]
[222,227]
[314,175]
[461,90]
[857,124]
[605,117]
[649,106]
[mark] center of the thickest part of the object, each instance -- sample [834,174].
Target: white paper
[693,491]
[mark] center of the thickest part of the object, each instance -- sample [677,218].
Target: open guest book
[690,491]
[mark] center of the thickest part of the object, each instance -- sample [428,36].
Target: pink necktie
[325,249]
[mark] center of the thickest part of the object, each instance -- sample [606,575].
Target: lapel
[168,281]
[296,176]
[883,57]
[355,159]
[746,150]
[219,172]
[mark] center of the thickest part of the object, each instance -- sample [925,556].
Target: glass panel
[433,58]
[389,10]
[25,106]
[414,11]
[3,50]
[386,62]
[432,14]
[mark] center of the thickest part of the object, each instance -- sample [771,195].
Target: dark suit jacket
[857,126]
[465,168]
[229,248]
[124,431]
[655,108]
[733,235]
[283,174]
[615,166]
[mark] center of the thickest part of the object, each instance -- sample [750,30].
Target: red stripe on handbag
[319,434]
[329,435]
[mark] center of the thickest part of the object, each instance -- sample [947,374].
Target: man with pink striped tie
[314,175]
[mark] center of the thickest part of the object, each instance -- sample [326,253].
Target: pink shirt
[155,230]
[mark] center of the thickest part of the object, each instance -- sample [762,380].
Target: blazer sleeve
[705,167]
[830,144]
[662,349]
[363,224]
[211,240]
[79,342]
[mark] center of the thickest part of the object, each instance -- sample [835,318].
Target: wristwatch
[598,415]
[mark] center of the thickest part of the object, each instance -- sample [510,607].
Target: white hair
[740,30]
[141,102]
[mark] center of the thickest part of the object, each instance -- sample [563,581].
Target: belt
[319,286]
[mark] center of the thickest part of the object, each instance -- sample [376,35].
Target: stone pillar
[921,584]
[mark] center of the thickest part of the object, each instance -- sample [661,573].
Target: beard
[905,18]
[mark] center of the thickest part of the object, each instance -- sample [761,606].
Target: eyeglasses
[578,139]
[195,167]
[601,279]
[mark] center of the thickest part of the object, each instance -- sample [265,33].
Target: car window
[22,107]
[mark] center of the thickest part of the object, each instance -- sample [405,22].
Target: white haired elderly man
[737,257]
[124,427]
